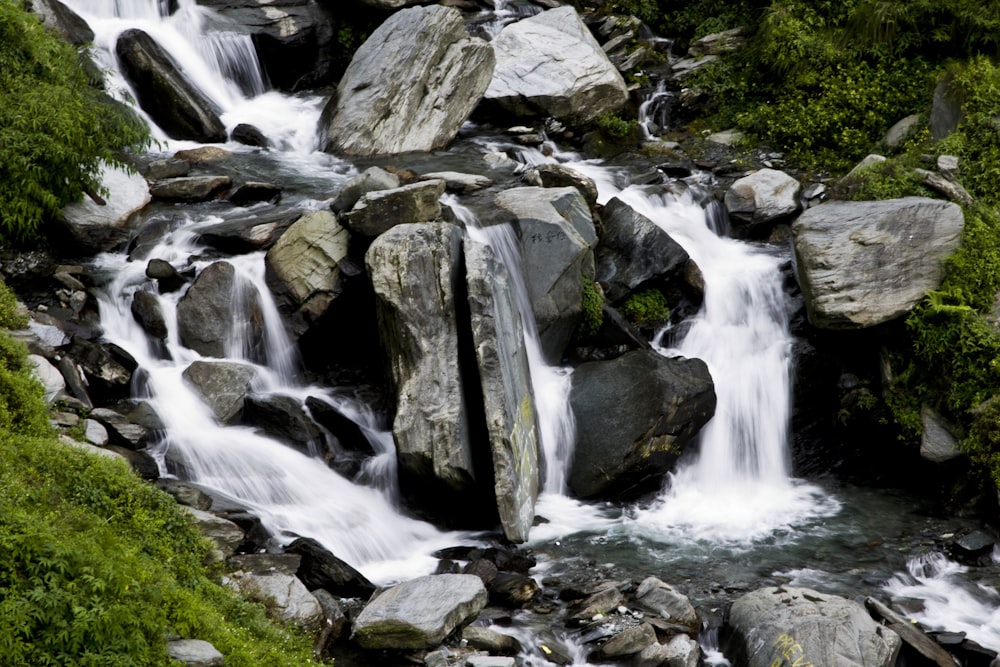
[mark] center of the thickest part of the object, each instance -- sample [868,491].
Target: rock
[863,263]
[629,641]
[949,188]
[686,66]
[157,170]
[121,431]
[225,534]
[459,182]
[285,598]
[726,138]
[165,275]
[947,165]
[664,601]
[321,569]
[680,651]
[866,162]
[371,179]
[911,634]
[938,442]
[106,367]
[282,418]
[253,192]
[718,43]
[333,611]
[94,227]
[250,231]
[414,269]
[601,602]
[194,653]
[511,418]
[410,86]
[796,624]
[61,19]
[491,641]
[186,493]
[206,312]
[556,237]
[634,415]
[95,433]
[248,135]
[419,613]
[764,196]
[264,563]
[190,189]
[147,312]
[378,211]
[946,107]
[222,385]
[514,590]
[898,133]
[303,270]
[52,380]
[550,64]
[173,102]
[202,154]
[348,434]
[295,42]
[633,250]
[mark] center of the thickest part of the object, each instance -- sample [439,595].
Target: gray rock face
[556,236]
[414,269]
[63,20]
[225,534]
[93,227]
[286,598]
[120,430]
[223,385]
[147,312]
[177,106]
[195,653]
[378,211]
[50,377]
[419,613]
[785,625]
[628,642]
[763,196]
[863,263]
[550,64]
[664,601]
[633,250]
[370,180]
[634,414]
[938,442]
[302,268]
[410,86]
[509,402]
[205,313]
[190,189]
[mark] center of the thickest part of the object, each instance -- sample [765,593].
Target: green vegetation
[98,567]
[593,305]
[56,125]
[646,309]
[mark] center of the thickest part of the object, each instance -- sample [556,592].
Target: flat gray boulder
[556,236]
[378,211]
[509,403]
[223,385]
[410,86]
[551,65]
[194,653]
[285,597]
[785,625]
[763,196]
[419,613]
[414,270]
[302,268]
[634,415]
[864,263]
[94,226]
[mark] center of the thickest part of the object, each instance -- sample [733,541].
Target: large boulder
[764,196]
[294,40]
[864,263]
[634,250]
[213,307]
[58,17]
[784,625]
[173,102]
[303,268]
[419,613]
[376,212]
[223,385]
[284,597]
[414,269]
[556,236]
[634,415]
[97,225]
[508,400]
[410,86]
[551,65]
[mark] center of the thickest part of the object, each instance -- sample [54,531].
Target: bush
[646,309]
[56,127]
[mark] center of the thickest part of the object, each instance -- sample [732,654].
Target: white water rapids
[736,492]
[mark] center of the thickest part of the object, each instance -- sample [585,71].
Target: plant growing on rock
[646,309]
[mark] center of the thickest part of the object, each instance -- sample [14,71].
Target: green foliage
[615,127]
[593,304]
[646,309]
[12,315]
[56,128]
[891,179]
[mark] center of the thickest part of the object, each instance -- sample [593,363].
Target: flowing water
[730,519]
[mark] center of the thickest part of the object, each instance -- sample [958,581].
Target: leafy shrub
[593,304]
[56,128]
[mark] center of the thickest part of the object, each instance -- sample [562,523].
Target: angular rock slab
[286,598]
[414,269]
[550,64]
[864,263]
[410,86]
[303,267]
[634,415]
[223,385]
[763,196]
[783,625]
[509,402]
[419,613]
[177,106]
[377,212]
[556,236]
[93,227]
